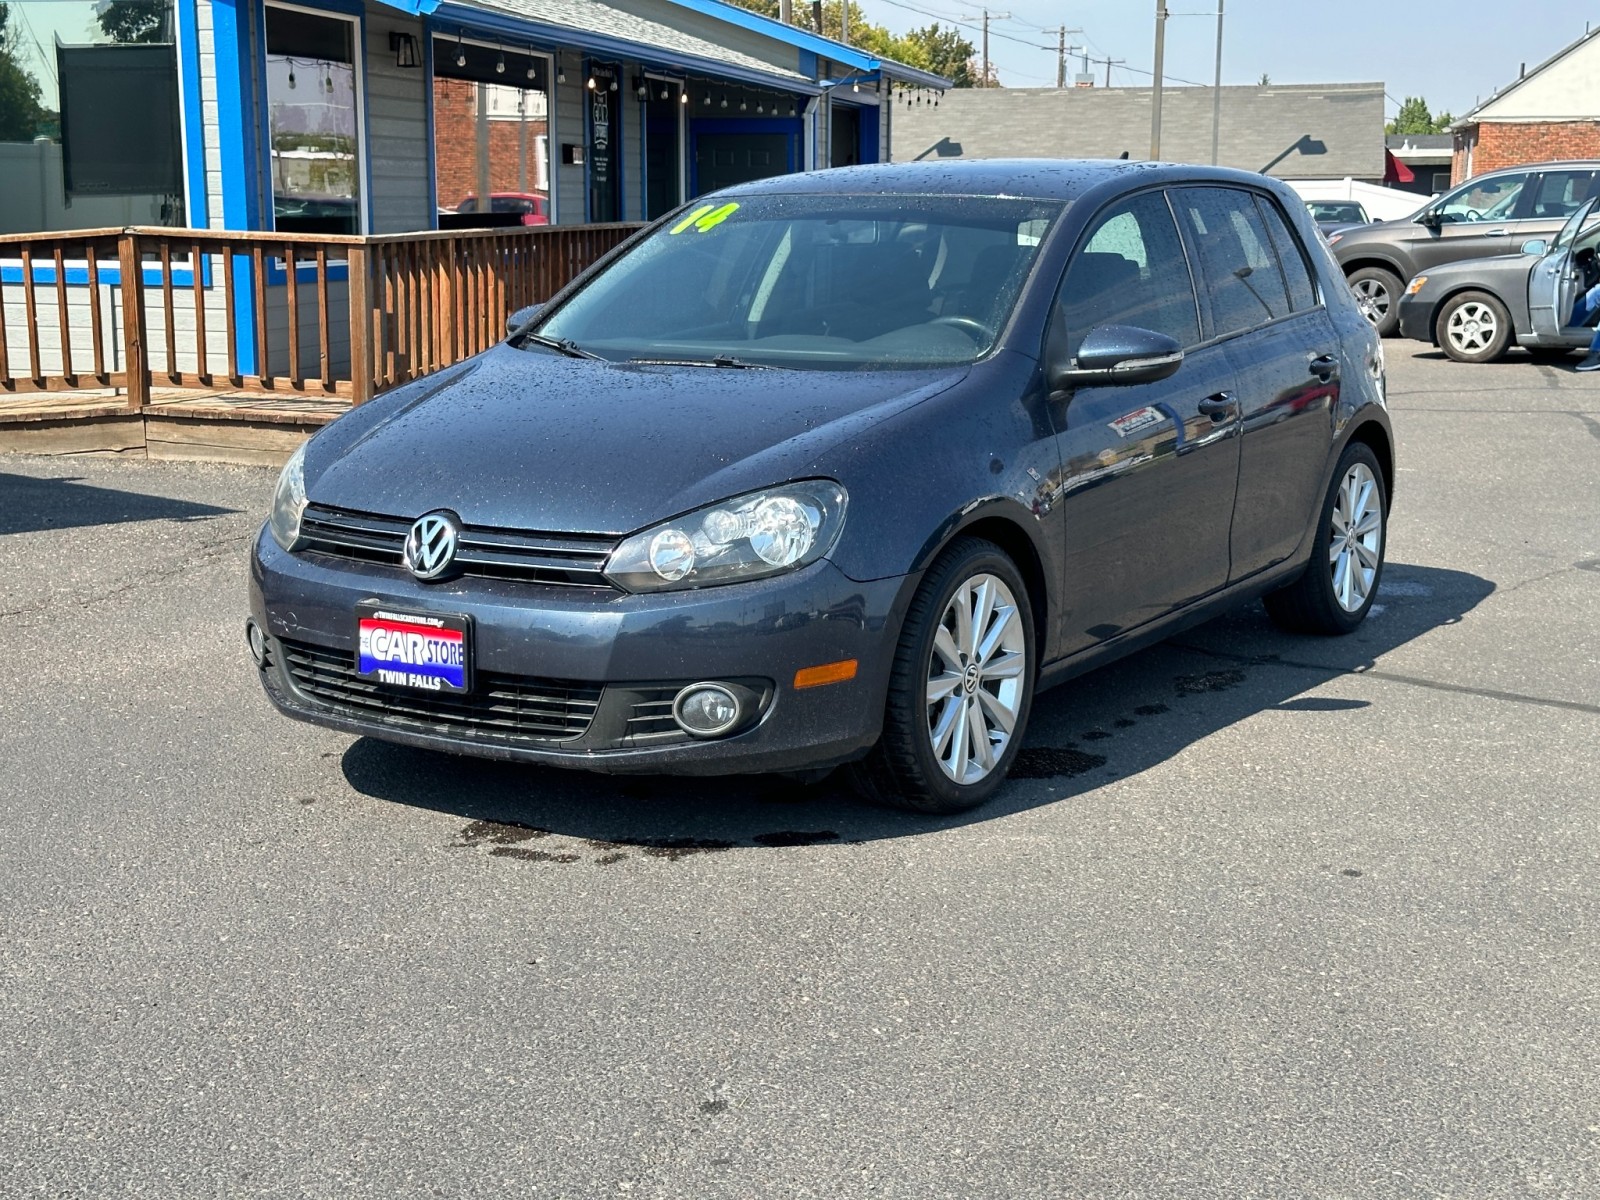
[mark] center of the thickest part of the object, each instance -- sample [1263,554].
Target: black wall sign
[119,120]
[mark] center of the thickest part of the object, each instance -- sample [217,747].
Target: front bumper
[624,647]
[1416,318]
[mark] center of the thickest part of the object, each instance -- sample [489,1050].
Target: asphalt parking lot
[1260,916]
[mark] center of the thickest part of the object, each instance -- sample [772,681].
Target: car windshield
[824,282]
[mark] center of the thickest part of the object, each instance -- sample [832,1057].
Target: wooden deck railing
[300,315]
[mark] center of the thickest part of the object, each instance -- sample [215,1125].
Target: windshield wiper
[560,345]
[720,360]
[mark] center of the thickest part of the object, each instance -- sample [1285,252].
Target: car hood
[1475,268]
[526,440]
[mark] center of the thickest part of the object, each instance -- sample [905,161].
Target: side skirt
[1159,630]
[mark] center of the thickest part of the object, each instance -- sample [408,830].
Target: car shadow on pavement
[1112,723]
[29,504]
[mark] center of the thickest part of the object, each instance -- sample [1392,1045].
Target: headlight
[749,537]
[1415,285]
[289,501]
[1334,237]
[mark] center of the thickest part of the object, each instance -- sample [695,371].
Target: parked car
[534,207]
[1476,310]
[1482,217]
[841,468]
[1332,216]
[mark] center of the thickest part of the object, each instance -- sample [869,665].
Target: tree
[1414,117]
[134,21]
[21,114]
[946,52]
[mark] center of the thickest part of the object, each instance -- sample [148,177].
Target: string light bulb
[500,64]
[461,52]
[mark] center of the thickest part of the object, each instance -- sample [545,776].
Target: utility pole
[844,22]
[786,11]
[1155,95]
[1216,91]
[1062,50]
[1109,62]
[986,18]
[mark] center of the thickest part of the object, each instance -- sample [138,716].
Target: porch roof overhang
[599,29]
[596,26]
[870,66]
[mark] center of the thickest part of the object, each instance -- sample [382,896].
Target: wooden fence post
[136,368]
[360,327]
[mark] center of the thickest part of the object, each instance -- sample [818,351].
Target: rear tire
[1336,591]
[961,688]
[1378,291]
[1473,327]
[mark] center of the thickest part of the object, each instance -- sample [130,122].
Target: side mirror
[521,317]
[1119,354]
[1430,218]
[1535,246]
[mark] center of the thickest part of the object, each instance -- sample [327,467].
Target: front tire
[1336,591]
[1473,327]
[1377,291]
[961,688]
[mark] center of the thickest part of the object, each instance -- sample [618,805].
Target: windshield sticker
[1137,421]
[705,218]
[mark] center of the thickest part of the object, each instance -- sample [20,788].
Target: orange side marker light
[834,672]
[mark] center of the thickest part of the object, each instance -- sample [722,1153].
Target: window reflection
[312,123]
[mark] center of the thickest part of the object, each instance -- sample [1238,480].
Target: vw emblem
[430,548]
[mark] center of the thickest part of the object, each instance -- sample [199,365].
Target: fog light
[706,710]
[257,641]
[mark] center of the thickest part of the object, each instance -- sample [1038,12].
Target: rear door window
[1291,256]
[1131,270]
[1238,268]
[1558,194]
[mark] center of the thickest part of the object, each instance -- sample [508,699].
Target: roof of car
[1041,178]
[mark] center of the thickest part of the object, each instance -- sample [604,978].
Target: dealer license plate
[419,651]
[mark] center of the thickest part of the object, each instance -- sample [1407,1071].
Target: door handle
[1495,233]
[1324,367]
[1219,406]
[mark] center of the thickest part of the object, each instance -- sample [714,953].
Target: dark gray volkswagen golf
[842,468]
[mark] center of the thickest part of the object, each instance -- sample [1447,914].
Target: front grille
[500,708]
[563,559]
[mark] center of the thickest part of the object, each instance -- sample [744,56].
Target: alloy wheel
[975,678]
[1372,298]
[1472,327]
[1355,542]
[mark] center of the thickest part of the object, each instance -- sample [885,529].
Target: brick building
[1550,113]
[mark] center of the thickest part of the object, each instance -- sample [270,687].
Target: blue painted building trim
[197,205]
[235,78]
[433,150]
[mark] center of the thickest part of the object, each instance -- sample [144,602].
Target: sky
[1450,53]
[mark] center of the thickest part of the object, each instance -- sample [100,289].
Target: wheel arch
[1373,435]
[1002,523]
[1372,260]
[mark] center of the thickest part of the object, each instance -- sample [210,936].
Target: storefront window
[313,118]
[491,135]
[90,116]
